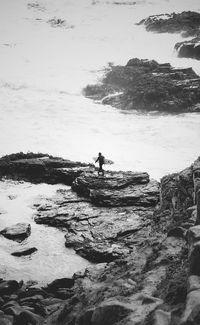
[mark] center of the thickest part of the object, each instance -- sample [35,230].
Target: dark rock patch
[25,252]
[187,23]
[38,168]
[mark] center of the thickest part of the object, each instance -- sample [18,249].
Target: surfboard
[106,161]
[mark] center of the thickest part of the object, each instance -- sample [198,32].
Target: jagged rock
[39,168]
[27,317]
[156,87]
[60,283]
[118,190]
[24,252]
[177,232]
[198,207]
[193,283]
[189,49]
[193,235]
[8,287]
[161,317]
[100,253]
[194,260]
[192,309]
[6,320]
[111,181]
[18,232]
[110,312]
[187,23]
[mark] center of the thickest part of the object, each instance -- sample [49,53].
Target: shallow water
[52,260]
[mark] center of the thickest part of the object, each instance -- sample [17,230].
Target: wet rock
[187,23]
[110,312]
[122,189]
[194,260]
[100,253]
[39,168]
[189,49]
[111,181]
[27,317]
[8,287]
[191,312]
[25,252]
[6,320]
[193,283]
[193,235]
[161,317]
[18,232]
[156,87]
[177,232]
[60,283]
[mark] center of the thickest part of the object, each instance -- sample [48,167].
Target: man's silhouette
[100,159]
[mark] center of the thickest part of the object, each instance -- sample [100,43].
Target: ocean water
[43,71]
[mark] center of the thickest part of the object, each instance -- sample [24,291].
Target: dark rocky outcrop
[186,22]
[189,49]
[38,168]
[148,86]
[17,232]
[25,252]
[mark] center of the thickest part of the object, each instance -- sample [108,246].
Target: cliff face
[148,86]
[144,237]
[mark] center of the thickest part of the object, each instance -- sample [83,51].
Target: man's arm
[97,160]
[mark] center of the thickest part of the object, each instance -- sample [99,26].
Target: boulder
[189,49]
[25,252]
[18,232]
[60,283]
[110,312]
[27,317]
[186,22]
[8,287]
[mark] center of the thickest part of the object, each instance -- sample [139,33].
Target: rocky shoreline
[142,236]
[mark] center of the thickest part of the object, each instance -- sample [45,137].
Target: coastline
[140,248]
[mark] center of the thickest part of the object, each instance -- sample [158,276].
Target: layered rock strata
[148,86]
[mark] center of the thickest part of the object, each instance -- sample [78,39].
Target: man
[100,159]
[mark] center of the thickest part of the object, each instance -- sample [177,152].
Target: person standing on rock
[100,159]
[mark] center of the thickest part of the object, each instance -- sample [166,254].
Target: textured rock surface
[145,254]
[39,168]
[187,23]
[147,85]
[189,49]
[18,232]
